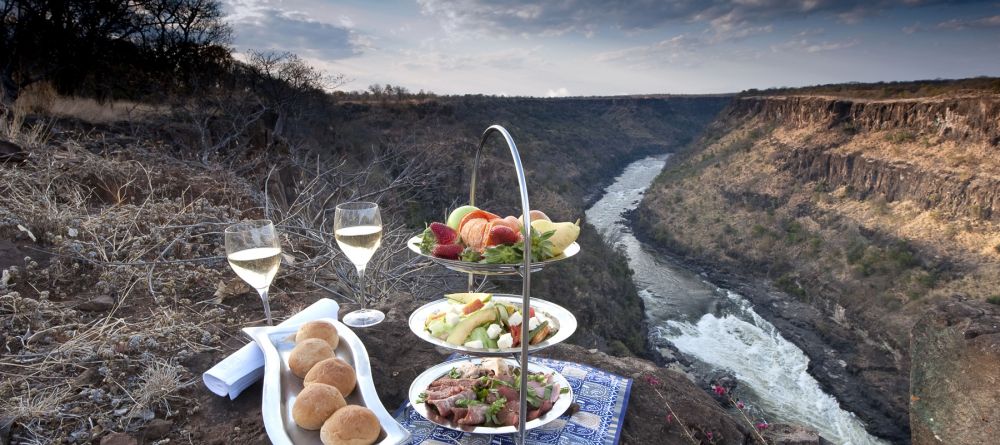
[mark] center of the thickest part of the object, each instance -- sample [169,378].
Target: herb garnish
[427,241]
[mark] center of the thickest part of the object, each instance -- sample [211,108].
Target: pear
[565,233]
[456,215]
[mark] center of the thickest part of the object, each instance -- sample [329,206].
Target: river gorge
[716,329]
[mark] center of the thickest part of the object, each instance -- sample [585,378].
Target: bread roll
[334,372]
[318,329]
[351,425]
[316,403]
[308,353]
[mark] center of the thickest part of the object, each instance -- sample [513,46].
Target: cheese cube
[494,331]
[505,341]
[533,323]
[514,319]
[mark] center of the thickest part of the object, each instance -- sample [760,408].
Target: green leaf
[455,373]
[470,255]
[421,398]
[427,241]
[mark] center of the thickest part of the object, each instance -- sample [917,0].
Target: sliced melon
[469,297]
[462,330]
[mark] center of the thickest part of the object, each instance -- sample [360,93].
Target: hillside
[869,212]
[115,284]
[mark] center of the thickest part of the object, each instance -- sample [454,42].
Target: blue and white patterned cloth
[602,398]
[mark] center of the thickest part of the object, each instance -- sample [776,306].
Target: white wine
[256,266]
[359,242]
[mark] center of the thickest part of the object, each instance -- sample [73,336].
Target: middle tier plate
[553,312]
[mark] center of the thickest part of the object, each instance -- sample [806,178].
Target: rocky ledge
[955,373]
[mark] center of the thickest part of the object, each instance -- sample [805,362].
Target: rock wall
[959,194]
[964,118]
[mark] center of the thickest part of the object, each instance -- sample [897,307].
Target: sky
[615,47]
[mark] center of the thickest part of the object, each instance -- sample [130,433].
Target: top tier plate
[491,269]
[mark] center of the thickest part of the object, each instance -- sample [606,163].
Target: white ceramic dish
[557,315]
[281,387]
[491,269]
[422,381]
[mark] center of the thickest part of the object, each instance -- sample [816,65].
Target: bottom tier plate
[424,380]
[281,387]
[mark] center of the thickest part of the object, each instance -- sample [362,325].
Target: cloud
[509,59]
[680,50]
[530,17]
[258,25]
[558,92]
[956,25]
[806,46]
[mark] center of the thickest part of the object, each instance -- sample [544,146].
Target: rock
[99,303]
[11,152]
[156,429]
[782,434]
[118,439]
[955,374]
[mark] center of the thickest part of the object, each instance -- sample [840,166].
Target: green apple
[456,215]
[565,233]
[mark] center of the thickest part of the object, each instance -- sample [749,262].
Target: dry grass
[41,98]
[117,218]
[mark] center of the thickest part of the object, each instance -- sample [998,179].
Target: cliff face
[872,211]
[955,193]
[973,118]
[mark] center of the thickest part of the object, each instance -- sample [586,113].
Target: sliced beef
[443,392]
[446,405]
[475,415]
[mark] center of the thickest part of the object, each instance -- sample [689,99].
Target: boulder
[955,374]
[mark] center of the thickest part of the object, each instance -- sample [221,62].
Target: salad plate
[491,269]
[424,380]
[281,387]
[563,324]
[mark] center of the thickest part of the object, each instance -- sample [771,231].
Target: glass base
[362,318]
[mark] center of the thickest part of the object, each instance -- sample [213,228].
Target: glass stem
[361,287]
[267,305]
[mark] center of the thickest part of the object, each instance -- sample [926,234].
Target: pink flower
[670,418]
[719,390]
[740,405]
[652,380]
[709,435]
[761,426]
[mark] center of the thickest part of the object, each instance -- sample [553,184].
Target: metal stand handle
[525,271]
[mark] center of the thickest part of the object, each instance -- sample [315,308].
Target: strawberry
[501,235]
[443,233]
[447,251]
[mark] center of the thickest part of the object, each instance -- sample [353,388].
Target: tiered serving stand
[566,319]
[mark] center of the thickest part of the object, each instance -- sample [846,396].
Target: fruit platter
[483,395]
[485,324]
[477,241]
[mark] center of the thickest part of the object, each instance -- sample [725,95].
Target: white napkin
[244,367]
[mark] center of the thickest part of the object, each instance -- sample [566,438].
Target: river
[718,329]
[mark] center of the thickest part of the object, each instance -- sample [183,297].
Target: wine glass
[357,226]
[254,253]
